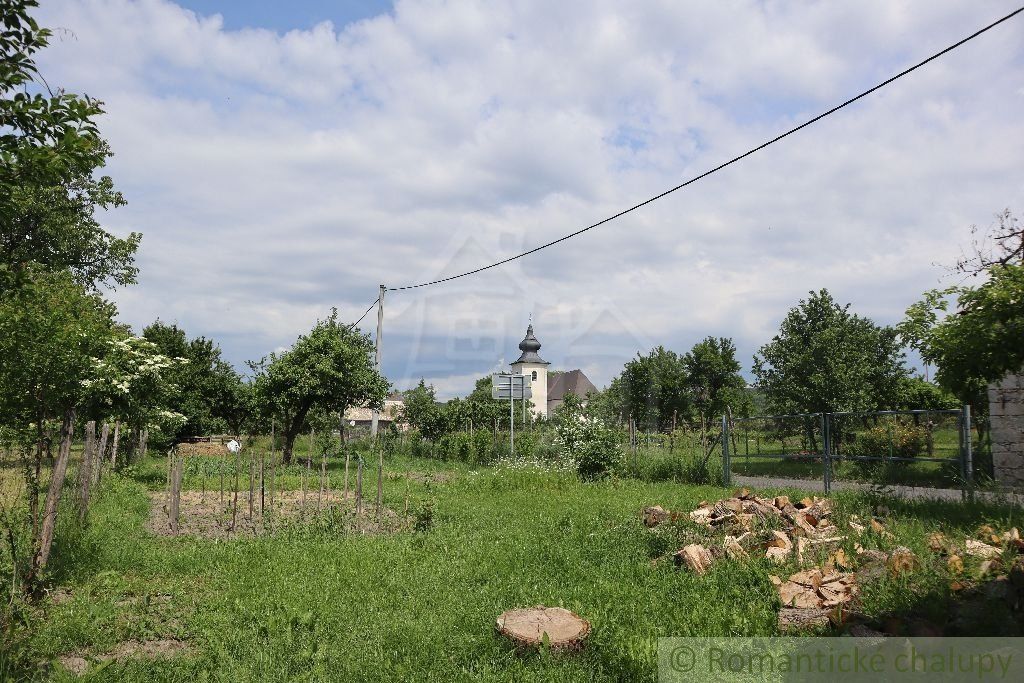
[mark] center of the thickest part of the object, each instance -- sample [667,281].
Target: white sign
[510,386]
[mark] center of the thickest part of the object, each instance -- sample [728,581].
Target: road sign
[506,387]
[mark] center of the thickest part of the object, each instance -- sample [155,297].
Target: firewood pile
[826,588]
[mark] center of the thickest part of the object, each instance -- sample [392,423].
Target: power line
[368,309]
[716,168]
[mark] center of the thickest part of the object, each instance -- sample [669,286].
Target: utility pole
[375,417]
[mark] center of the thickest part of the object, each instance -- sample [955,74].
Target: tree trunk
[53,495]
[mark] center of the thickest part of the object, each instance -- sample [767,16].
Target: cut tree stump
[527,627]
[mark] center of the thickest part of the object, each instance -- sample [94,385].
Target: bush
[906,441]
[589,445]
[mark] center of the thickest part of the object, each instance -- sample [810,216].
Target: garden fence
[901,446]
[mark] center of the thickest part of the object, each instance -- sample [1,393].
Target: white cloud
[275,175]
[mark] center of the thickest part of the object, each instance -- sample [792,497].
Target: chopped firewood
[902,561]
[988,567]
[797,619]
[776,554]
[839,559]
[1012,535]
[802,526]
[805,503]
[701,515]
[811,588]
[733,548]
[985,532]
[559,628]
[857,527]
[745,522]
[982,550]
[781,502]
[655,515]
[696,557]
[801,547]
[880,529]
[955,565]
[937,542]
[742,494]
[780,540]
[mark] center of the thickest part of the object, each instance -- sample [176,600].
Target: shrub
[906,441]
[588,444]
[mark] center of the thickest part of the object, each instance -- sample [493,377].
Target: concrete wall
[1006,412]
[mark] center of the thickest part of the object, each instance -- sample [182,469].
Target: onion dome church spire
[530,346]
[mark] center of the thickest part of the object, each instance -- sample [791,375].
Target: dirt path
[913,492]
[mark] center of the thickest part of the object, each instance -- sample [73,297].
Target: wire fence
[908,447]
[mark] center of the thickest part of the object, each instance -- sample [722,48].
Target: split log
[801,619]
[696,557]
[655,515]
[560,629]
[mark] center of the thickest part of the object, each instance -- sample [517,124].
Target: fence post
[966,452]
[726,474]
[826,459]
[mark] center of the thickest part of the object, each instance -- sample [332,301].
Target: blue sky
[279,166]
[286,16]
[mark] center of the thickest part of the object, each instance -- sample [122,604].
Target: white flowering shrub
[131,381]
[585,443]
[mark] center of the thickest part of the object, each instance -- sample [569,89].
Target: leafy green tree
[826,359]
[979,344]
[485,411]
[713,381]
[651,390]
[420,408]
[207,388]
[330,368]
[50,147]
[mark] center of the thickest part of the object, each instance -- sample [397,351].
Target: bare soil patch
[206,516]
[161,648]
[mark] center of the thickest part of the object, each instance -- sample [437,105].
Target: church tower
[530,363]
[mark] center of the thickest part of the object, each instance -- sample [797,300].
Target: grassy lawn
[314,602]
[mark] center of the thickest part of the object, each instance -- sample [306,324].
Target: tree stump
[527,627]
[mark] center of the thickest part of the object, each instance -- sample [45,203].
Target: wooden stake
[252,483]
[101,452]
[113,447]
[380,479]
[234,501]
[177,471]
[359,487]
[60,467]
[85,470]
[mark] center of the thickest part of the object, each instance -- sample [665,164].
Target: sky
[282,159]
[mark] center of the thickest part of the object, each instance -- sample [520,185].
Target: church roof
[570,382]
[530,346]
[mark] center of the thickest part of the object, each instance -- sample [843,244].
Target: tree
[979,344]
[419,408]
[826,359]
[51,331]
[330,368]
[651,390]
[207,388]
[713,381]
[49,149]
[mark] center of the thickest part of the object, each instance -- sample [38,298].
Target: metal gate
[823,442]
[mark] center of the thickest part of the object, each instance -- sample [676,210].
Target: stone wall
[1006,410]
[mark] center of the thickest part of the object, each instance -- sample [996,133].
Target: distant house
[362,417]
[549,387]
[569,382]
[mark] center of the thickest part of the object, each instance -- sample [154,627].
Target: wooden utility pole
[375,416]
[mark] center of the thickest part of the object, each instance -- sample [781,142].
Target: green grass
[314,603]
